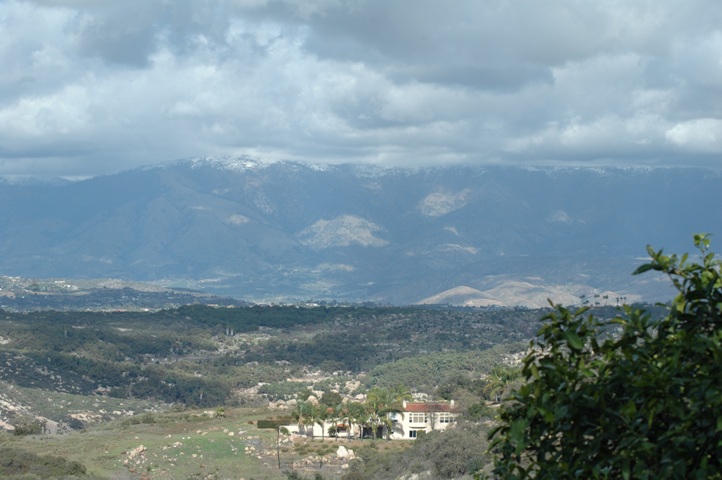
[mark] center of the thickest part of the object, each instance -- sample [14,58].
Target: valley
[189,384]
[172,321]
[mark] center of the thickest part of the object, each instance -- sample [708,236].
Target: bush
[28,426]
[451,453]
[479,411]
[15,462]
[644,401]
[144,418]
[273,423]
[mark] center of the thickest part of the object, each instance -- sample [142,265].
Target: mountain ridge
[286,231]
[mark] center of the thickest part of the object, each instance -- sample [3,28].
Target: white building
[423,417]
[415,417]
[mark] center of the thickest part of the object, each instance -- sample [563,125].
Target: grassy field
[197,444]
[174,445]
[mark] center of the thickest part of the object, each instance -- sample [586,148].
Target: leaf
[629,409]
[643,268]
[516,432]
[573,340]
[626,469]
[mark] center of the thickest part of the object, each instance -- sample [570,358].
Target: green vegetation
[429,371]
[631,397]
[374,413]
[273,423]
[449,454]
[173,445]
[17,463]
[110,383]
[28,426]
[202,356]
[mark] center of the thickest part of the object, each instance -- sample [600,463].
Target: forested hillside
[200,355]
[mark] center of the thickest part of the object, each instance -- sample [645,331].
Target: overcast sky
[91,87]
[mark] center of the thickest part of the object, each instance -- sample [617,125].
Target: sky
[91,87]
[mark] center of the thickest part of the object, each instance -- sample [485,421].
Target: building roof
[426,407]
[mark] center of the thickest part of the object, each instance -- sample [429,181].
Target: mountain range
[280,232]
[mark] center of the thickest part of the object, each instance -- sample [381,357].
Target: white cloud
[698,135]
[93,87]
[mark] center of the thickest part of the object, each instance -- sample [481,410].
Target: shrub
[644,401]
[28,426]
[273,423]
[15,462]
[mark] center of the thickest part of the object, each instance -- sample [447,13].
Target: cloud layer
[95,87]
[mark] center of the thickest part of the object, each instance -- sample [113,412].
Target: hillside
[25,294]
[287,232]
[153,393]
[209,356]
[179,393]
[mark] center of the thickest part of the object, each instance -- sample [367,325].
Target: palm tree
[381,403]
[323,413]
[399,395]
[313,414]
[298,416]
[304,415]
[500,380]
[356,413]
[402,393]
[375,405]
[336,415]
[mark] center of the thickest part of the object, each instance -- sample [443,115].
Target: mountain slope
[289,231]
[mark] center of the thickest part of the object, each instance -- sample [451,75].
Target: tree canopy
[630,397]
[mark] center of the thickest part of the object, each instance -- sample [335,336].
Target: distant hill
[98,294]
[286,231]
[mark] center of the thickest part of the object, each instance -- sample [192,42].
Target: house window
[417,418]
[446,417]
[412,433]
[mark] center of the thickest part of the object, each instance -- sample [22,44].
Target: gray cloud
[94,87]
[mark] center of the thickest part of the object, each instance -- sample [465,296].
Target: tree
[323,413]
[338,414]
[381,403]
[280,430]
[330,399]
[313,415]
[376,401]
[499,381]
[304,414]
[631,397]
[356,414]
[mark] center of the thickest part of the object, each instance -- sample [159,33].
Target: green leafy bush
[448,454]
[15,462]
[28,426]
[633,397]
[273,423]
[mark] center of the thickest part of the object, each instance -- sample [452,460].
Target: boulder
[342,452]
